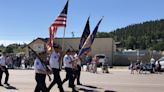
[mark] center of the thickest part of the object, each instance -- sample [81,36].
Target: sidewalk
[115,68]
[119,68]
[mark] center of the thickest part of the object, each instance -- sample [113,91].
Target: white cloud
[7,42]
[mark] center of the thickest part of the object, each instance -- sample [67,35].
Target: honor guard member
[68,68]
[4,69]
[40,75]
[74,65]
[55,65]
[78,72]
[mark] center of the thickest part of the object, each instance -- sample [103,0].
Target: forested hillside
[147,35]
[12,48]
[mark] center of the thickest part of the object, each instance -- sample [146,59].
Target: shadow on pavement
[11,87]
[91,90]
[87,90]
[89,86]
[109,91]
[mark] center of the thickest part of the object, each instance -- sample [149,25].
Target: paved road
[118,80]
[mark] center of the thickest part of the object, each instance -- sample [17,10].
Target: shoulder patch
[55,57]
[37,63]
[67,58]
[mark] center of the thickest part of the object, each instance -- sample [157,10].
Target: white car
[161,60]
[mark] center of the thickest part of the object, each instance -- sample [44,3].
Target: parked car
[102,59]
[146,67]
[161,61]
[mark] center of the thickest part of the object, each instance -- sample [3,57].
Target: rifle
[46,67]
[71,47]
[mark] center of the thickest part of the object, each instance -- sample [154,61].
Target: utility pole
[72,34]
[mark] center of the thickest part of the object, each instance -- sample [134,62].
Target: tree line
[12,48]
[146,35]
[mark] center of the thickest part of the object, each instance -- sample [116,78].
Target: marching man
[55,65]
[40,75]
[4,69]
[69,71]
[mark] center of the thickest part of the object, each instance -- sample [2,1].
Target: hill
[146,35]
[12,48]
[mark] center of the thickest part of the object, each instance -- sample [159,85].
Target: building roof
[46,39]
[43,39]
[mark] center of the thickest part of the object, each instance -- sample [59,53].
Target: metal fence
[125,58]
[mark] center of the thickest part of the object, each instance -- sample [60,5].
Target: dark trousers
[78,74]
[74,74]
[69,76]
[56,79]
[5,70]
[41,85]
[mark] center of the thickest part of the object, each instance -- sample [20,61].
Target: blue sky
[25,20]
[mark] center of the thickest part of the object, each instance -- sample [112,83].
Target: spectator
[152,62]
[158,67]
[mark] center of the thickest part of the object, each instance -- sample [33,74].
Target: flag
[51,40]
[85,34]
[60,21]
[87,45]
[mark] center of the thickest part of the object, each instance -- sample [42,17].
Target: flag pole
[62,48]
[63,39]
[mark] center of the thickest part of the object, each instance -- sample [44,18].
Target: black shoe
[7,84]
[79,84]
[71,86]
[1,85]
[74,90]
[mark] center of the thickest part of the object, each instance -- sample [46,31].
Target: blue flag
[85,34]
[87,45]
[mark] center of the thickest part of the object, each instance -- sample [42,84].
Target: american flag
[60,21]
[51,40]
